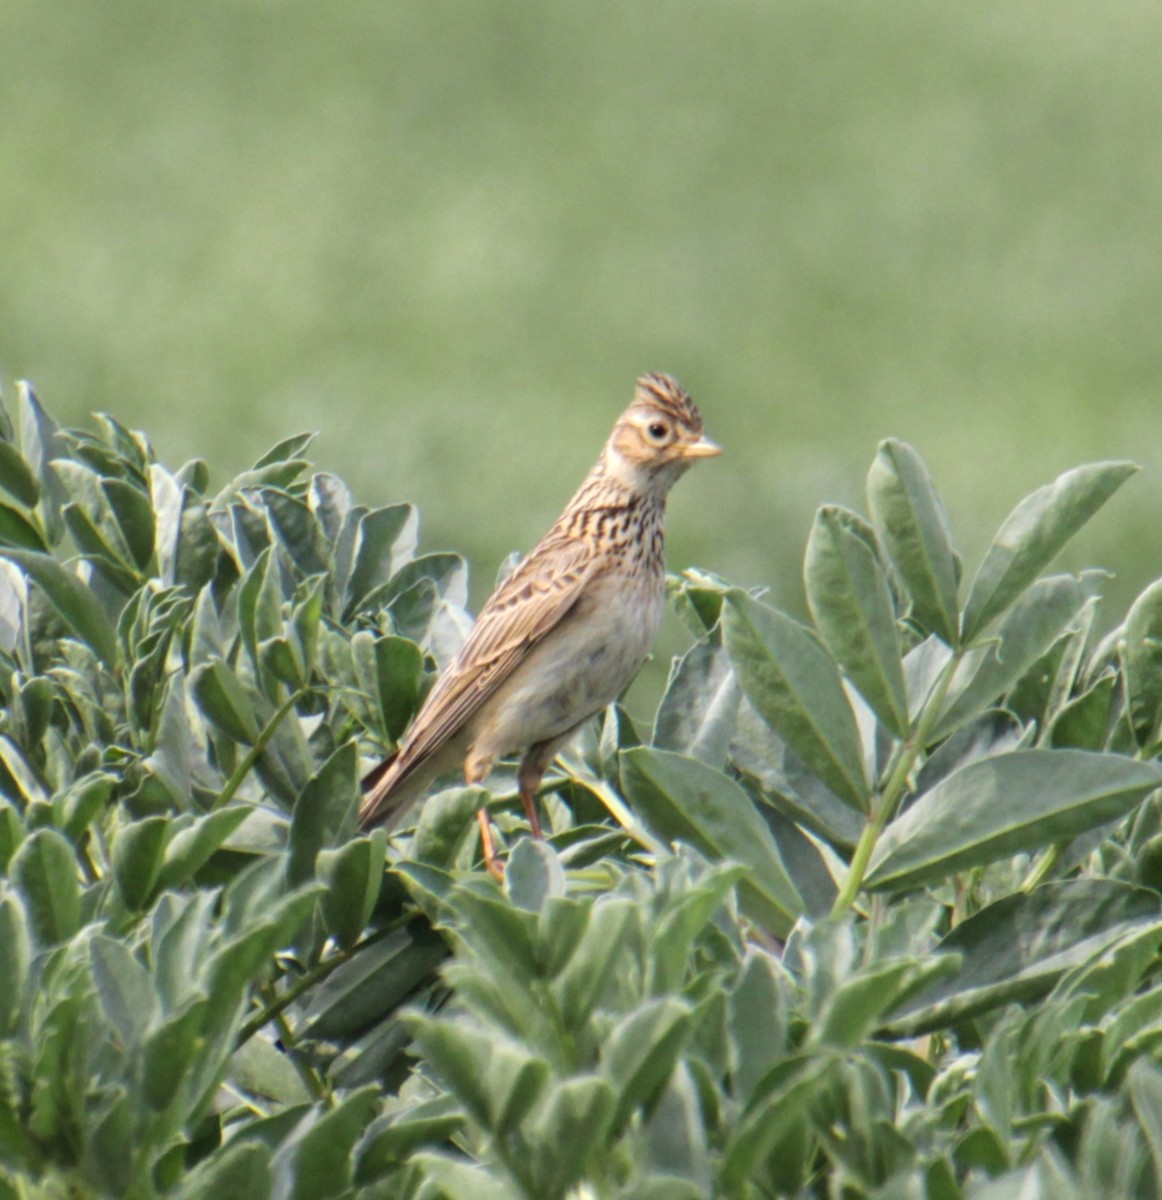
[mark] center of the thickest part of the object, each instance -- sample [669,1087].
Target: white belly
[579,668]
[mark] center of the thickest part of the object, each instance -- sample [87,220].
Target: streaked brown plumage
[567,631]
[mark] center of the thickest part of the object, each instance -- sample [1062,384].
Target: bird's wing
[531,602]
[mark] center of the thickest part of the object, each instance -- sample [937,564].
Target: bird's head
[658,437]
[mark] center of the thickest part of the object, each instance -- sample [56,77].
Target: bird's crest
[667,394]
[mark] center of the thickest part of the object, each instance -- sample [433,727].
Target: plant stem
[255,752]
[315,975]
[889,799]
[1043,866]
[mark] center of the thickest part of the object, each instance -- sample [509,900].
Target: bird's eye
[657,431]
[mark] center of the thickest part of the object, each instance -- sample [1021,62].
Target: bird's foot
[488,847]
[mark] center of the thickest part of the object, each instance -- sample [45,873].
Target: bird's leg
[476,770]
[533,766]
[494,865]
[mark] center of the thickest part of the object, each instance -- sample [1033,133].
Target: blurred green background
[448,236]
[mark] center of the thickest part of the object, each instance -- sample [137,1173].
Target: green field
[449,236]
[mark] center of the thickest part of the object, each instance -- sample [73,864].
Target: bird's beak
[702,448]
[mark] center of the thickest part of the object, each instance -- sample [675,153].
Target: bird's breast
[580,666]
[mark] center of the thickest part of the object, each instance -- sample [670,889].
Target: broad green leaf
[384,544]
[391,670]
[604,944]
[391,1139]
[1018,947]
[189,849]
[496,1079]
[16,530]
[138,853]
[133,512]
[123,987]
[459,1179]
[847,593]
[315,1162]
[15,476]
[240,1169]
[353,875]
[168,1051]
[1140,650]
[323,813]
[1146,1094]
[639,1053]
[534,875]
[1033,533]
[792,682]
[44,872]
[698,712]
[224,701]
[682,799]
[15,954]
[76,603]
[40,442]
[1085,720]
[914,531]
[1034,622]
[1004,804]
[373,983]
[757,1022]
[567,1132]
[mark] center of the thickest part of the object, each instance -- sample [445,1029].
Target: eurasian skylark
[565,633]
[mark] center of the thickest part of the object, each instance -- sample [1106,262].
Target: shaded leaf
[792,682]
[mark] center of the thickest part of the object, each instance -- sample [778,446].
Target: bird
[566,632]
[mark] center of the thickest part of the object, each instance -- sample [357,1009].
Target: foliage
[873,910]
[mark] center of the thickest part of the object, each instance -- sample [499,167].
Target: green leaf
[1033,533]
[792,682]
[495,1078]
[1004,804]
[324,812]
[1085,720]
[224,701]
[133,512]
[191,848]
[15,955]
[123,987]
[44,872]
[640,1051]
[384,543]
[699,710]
[15,476]
[914,530]
[534,875]
[138,853]
[1028,630]
[76,604]
[240,1169]
[567,1131]
[847,593]
[757,1023]
[16,530]
[682,799]
[1018,947]
[373,983]
[459,1179]
[1146,1094]
[1140,650]
[315,1162]
[353,875]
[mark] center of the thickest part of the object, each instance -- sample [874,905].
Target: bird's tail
[378,804]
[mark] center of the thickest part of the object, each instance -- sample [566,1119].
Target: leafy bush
[873,910]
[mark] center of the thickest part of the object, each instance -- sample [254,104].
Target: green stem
[316,975]
[255,752]
[898,775]
[1043,866]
